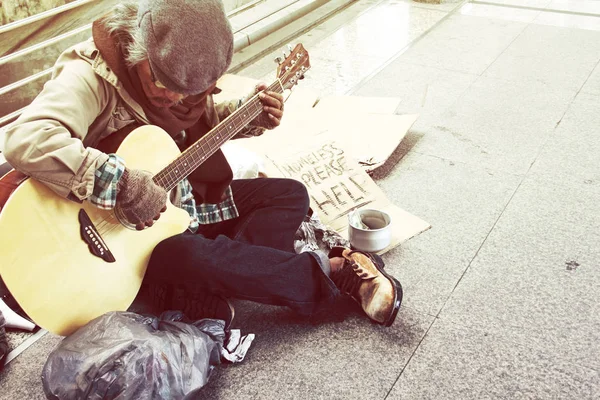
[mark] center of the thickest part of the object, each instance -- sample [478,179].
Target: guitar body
[48,267]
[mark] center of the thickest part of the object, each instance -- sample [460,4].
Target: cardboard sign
[370,138]
[337,185]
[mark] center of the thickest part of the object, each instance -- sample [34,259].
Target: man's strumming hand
[139,199]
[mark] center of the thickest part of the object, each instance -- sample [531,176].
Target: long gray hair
[122,22]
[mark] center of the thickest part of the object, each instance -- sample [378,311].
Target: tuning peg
[301,77]
[290,48]
[278,60]
[285,55]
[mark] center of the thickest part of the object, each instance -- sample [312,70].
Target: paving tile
[592,85]
[452,45]
[369,34]
[462,203]
[423,90]
[568,20]
[338,77]
[561,57]
[572,152]
[344,54]
[292,359]
[354,52]
[495,124]
[536,275]
[454,362]
[21,379]
[357,32]
[499,12]
[539,41]
[581,6]
[521,3]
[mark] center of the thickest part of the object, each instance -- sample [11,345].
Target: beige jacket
[53,140]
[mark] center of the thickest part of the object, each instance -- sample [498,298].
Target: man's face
[157,94]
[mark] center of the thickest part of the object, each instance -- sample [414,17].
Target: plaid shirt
[105,196]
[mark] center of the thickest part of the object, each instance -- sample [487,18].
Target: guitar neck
[206,146]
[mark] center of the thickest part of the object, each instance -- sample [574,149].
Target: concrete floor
[500,297]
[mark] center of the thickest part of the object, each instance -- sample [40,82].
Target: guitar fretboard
[206,146]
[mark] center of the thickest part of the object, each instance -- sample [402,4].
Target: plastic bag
[313,235]
[123,355]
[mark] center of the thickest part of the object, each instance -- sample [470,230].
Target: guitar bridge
[90,235]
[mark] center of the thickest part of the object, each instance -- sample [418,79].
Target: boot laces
[350,277]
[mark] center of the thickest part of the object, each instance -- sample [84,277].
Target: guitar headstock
[293,67]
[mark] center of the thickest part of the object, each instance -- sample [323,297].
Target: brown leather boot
[363,278]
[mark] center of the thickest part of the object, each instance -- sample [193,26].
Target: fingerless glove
[139,199]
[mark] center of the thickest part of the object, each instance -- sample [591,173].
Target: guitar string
[171,175]
[107,222]
[214,137]
[112,221]
[167,177]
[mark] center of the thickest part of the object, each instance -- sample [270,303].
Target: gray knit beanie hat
[189,42]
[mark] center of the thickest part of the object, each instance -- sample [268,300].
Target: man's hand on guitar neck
[272,113]
[139,199]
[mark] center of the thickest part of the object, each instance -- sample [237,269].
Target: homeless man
[156,62]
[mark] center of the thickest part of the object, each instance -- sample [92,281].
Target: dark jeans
[250,257]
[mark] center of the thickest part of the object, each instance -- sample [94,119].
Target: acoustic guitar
[67,263]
